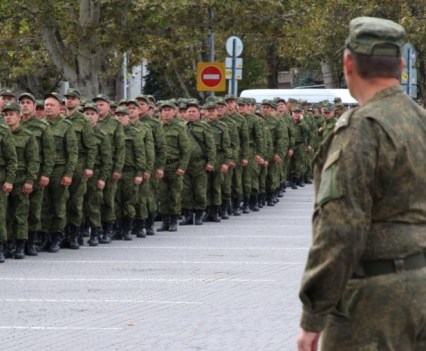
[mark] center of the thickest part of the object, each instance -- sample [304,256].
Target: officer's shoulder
[344,120]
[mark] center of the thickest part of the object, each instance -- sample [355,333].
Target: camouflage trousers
[381,313]
[227,185]
[144,193]
[108,205]
[93,202]
[169,191]
[3,210]
[214,188]
[298,161]
[18,206]
[237,182]
[36,201]
[126,195]
[77,189]
[194,193]
[272,177]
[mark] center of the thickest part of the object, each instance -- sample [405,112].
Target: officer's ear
[348,63]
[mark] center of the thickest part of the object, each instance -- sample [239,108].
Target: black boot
[188,217]
[9,249]
[166,223]
[20,250]
[214,214]
[94,236]
[126,229]
[44,243]
[236,211]
[270,199]
[2,258]
[85,231]
[118,229]
[74,233]
[30,247]
[246,205]
[138,230]
[199,217]
[55,244]
[275,197]
[207,215]
[301,181]
[149,224]
[224,210]
[106,233]
[293,183]
[253,203]
[173,223]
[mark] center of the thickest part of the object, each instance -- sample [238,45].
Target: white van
[311,95]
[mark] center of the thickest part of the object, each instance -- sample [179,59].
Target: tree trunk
[273,64]
[330,78]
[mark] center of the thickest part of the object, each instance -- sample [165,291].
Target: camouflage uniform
[365,279]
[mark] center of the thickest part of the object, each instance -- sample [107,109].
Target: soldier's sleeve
[149,149]
[244,140]
[342,219]
[88,137]
[140,154]
[226,140]
[210,146]
[48,152]
[258,138]
[283,139]
[160,147]
[106,157]
[9,155]
[270,145]
[71,146]
[185,148]
[32,156]
[291,135]
[235,142]
[120,148]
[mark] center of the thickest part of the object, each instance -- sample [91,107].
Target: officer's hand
[116,176]
[259,160]
[231,165]
[7,187]
[209,168]
[244,163]
[180,172]
[66,181]
[88,173]
[138,180]
[308,341]
[159,173]
[100,184]
[146,175]
[224,168]
[290,153]
[27,189]
[43,182]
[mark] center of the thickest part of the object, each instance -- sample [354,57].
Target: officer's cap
[375,37]
[28,96]
[55,96]
[91,106]
[73,92]
[102,97]
[12,106]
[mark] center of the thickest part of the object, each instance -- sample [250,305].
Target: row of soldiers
[114,169]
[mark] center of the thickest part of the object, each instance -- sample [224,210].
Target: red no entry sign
[211,76]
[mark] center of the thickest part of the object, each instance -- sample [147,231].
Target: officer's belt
[381,267]
[173,160]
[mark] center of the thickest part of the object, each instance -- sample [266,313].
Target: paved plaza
[229,286]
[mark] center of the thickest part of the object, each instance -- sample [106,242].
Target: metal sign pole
[234,64]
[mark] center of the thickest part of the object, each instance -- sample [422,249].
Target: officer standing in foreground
[365,279]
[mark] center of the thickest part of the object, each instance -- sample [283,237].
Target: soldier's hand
[88,173]
[7,187]
[138,180]
[66,181]
[27,189]
[180,172]
[100,184]
[146,175]
[265,164]
[116,176]
[244,163]
[259,160]
[301,117]
[44,181]
[309,148]
[277,158]
[231,165]
[290,153]
[308,341]
[159,173]
[224,168]
[209,168]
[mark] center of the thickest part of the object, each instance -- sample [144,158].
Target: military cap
[7,92]
[132,101]
[337,99]
[279,99]
[220,101]
[102,97]
[55,96]
[269,103]
[40,103]
[211,99]
[241,101]
[259,113]
[209,105]
[292,100]
[73,92]
[167,103]
[91,106]
[122,110]
[230,97]
[192,103]
[113,103]
[297,108]
[122,102]
[12,106]
[375,37]
[303,102]
[152,98]
[28,96]
[144,98]
[339,107]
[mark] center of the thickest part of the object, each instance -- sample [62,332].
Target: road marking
[280,263]
[198,248]
[203,280]
[106,301]
[21,327]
